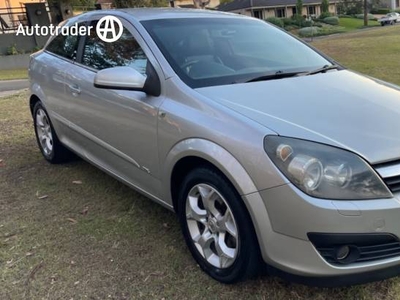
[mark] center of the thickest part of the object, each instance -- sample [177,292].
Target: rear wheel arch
[32,102]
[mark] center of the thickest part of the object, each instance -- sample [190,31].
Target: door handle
[75,89]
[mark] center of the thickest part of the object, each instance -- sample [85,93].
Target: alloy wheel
[212,226]
[44,133]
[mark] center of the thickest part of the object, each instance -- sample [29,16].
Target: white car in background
[390,19]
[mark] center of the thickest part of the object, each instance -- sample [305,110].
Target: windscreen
[217,51]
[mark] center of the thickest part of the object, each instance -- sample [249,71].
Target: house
[391,4]
[263,9]
[103,4]
[12,13]
[190,3]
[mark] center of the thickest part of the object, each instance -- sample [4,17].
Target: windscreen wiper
[281,74]
[276,75]
[323,69]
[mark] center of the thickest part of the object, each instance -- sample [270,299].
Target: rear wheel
[51,148]
[217,227]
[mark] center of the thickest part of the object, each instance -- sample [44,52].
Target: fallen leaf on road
[77,182]
[72,220]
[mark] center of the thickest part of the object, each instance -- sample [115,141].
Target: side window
[64,46]
[125,51]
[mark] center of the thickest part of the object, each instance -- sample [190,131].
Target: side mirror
[120,78]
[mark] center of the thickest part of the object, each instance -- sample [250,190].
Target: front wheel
[217,227]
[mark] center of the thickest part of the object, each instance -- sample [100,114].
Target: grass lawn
[101,240]
[373,52]
[353,23]
[13,74]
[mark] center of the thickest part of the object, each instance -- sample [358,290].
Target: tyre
[51,148]
[217,227]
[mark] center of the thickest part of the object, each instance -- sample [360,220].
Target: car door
[48,70]
[115,129]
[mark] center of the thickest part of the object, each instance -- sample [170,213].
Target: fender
[213,153]
[234,171]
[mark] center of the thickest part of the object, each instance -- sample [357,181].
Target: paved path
[13,85]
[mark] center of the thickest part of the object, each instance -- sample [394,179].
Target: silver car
[270,152]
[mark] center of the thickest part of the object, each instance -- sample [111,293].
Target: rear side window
[64,46]
[126,51]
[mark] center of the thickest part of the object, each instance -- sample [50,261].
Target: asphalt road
[13,85]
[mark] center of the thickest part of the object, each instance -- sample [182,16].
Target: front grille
[393,183]
[364,247]
[390,173]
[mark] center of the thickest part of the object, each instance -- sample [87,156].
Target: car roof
[142,14]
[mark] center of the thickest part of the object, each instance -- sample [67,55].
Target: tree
[324,6]
[299,7]
[365,12]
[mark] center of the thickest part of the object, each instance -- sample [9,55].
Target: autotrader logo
[109,29]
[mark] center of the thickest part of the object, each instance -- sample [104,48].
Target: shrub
[380,11]
[370,16]
[12,50]
[331,30]
[309,31]
[346,16]
[36,49]
[325,15]
[300,21]
[276,21]
[332,20]
[307,23]
[287,21]
[291,27]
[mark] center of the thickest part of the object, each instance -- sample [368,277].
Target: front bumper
[283,216]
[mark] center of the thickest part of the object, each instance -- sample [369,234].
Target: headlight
[324,171]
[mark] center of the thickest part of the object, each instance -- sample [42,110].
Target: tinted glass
[215,51]
[125,51]
[64,46]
